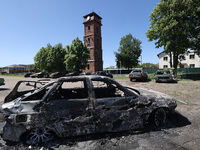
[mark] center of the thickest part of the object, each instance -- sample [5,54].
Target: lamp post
[120,67]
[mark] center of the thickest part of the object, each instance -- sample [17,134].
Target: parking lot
[183,134]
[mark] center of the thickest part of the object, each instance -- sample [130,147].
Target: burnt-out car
[79,105]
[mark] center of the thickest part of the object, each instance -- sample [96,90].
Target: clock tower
[93,41]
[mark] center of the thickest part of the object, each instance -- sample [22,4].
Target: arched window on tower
[88,41]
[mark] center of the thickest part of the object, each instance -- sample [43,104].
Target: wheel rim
[160,117]
[39,135]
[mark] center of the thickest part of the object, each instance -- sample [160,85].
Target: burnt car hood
[151,96]
[18,106]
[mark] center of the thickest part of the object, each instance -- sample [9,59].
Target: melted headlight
[21,118]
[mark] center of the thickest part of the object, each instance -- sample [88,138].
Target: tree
[56,58]
[76,56]
[175,25]
[149,65]
[50,59]
[40,59]
[111,67]
[128,52]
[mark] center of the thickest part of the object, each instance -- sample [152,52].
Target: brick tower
[93,41]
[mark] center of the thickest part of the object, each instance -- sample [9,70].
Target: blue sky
[28,25]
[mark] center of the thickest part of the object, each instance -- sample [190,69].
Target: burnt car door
[116,107]
[67,108]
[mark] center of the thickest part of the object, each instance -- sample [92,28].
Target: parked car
[72,74]
[57,75]
[2,81]
[79,105]
[138,74]
[27,75]
[103,73]
[163,76]
[39,75]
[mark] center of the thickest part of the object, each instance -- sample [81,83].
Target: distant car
[163,76]
[79,105]
[27,75]
[87,73]
[2,81]
[57,75]
[138,74]
[72,74]
[103,73]
[38,75]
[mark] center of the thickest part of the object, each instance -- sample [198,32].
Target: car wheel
[131,79]
[38,136]
[159,117]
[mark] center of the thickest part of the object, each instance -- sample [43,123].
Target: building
[189,60]
[14,69]
[93,41]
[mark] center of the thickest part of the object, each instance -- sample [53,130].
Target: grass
[15,74]
[189,79]
[125,76]
[120,76]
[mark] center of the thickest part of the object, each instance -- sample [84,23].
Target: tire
[38,136]
[159,117]
[131,79]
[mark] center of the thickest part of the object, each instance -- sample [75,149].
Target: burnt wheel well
[24,136]
[151,116]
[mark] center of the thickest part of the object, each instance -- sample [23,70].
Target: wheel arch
[151,114]
[24,135]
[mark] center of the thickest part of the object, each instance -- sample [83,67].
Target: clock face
[88,18]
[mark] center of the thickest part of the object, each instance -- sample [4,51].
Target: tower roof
[92,14]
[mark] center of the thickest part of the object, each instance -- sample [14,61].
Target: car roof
[92,77]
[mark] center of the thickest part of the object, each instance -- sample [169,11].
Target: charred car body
[78,105]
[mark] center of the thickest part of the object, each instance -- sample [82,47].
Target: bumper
[164,80]
[136,77]
[13,133]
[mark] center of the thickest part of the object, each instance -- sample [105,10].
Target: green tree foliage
[55,59]
[111,67]
[50,59]
[76,56]
[40,59]
[175,24]
[148,65]
[128,52]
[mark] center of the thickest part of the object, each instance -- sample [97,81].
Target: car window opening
[73,90]
[38,95]
[104,89]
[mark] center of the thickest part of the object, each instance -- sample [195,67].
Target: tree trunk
[170,61]
[175,64]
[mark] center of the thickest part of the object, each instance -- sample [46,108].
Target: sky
[28,25]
